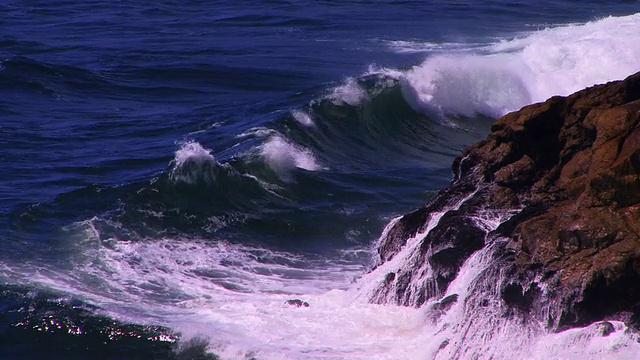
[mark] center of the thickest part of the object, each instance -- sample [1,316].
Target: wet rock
[446,303]
[438,309]
[449,244]
[514,295]
[297,303]
[443,345]
[569,169]
[388,279]
[606,328]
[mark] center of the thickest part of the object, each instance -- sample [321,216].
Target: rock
[450,243]
[443,345]
[446,303]
[438,309]
[514,295]
[606,328]
[568,171]
[297,303]
[389,277]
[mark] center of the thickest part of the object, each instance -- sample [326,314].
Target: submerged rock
[606,328]
[562,181]
[297,303]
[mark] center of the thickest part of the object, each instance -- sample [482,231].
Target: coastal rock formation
[555,188]
[297,303]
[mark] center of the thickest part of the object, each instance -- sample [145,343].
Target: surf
[216,243]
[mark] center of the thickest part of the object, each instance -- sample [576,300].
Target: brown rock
[571,165]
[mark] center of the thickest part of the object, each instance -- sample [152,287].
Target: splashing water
[282,156]
[511,74]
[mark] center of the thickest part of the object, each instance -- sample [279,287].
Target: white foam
[302,117]
[200,269]
[193,163]
[350,93]
[485,333]
[587,343]
[279,153]
[566,59]
[257,132]
[185,284]
[555,61]
[332,327]
[192,150]
[466,85]
[369,285]
[413,47]
[282,156]
[179,283]
[234,294]
[471,331]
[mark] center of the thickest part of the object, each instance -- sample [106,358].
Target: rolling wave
[506,75]
[218,240]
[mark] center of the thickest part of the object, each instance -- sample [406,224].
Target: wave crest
[510,74]
[193,163]
[466,86]
[282,156]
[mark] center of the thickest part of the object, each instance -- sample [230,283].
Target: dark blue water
[278,126]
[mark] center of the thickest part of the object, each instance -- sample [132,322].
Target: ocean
[173,172]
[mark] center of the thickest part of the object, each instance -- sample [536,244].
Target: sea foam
[302,117]
[193,163]
[507,75]
[192,151]
[234,296]
[350,93]
[282,156]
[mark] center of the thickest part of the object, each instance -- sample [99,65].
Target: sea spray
[302,117]
[193,163]
[283,156]
[350,93]
[506,75]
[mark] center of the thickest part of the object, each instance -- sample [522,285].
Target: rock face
[297,303]
[562,180]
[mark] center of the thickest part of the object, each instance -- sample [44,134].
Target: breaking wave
[504,76]
[215,244]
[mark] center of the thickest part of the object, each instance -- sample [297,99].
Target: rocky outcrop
[297,303]
[562,180]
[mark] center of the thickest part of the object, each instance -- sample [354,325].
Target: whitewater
[233,295]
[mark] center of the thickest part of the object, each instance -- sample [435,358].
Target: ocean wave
[193,163]
[466,86]
[282,156]
[171,255]
[350,93]
[509,74]
[302,117]
[235,296]
[419,47]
